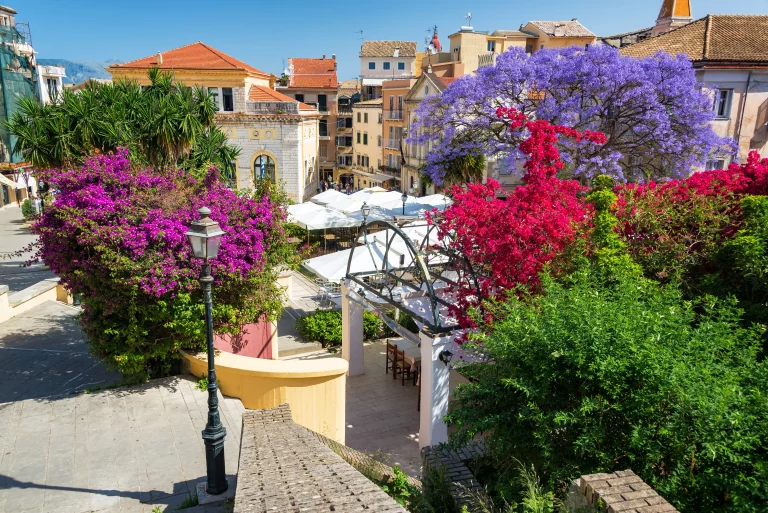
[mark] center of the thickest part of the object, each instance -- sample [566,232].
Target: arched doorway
[264,167]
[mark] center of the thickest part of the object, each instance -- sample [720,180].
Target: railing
[393,114]
[52,71]
[271,107]
[344,110]
[486,59]
[392,144]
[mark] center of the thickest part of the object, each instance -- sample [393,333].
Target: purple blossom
[653,112]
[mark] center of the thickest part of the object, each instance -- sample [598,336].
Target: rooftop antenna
[468,17]
[361,34]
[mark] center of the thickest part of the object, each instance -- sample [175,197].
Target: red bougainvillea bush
[673,229]
[115,236]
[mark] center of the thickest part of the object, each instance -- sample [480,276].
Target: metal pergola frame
[428,265]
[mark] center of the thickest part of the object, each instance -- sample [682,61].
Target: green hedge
[324,326]
[27,209]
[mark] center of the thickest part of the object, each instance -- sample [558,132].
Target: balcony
[272,107]
[344,110]
[52,71]
[393,144]
[393,115]
[486,59]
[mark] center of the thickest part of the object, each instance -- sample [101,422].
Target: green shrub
[324,326]
[594,378]
[27,209]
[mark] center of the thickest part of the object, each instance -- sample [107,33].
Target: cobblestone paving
[123,450]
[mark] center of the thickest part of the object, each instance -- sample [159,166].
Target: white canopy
[315,217]
[376,196]
[326,197]
[368,258]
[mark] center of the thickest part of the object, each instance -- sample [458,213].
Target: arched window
[264,167]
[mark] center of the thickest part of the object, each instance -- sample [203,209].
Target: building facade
[730,56]
[394,127]
[314,82]
[673,14]
[277,135]
[386,60]
[50,83]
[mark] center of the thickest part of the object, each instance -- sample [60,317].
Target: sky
[265,34]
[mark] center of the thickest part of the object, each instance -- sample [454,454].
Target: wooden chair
[391,354]
[402,366]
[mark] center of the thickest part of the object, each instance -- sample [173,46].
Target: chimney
[333,56]
[159,58]
[323,56]
[574,19]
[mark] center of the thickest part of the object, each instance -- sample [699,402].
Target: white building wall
[391,74]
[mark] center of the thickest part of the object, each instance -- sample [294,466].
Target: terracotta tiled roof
[197,55]
[447,80]
[388,48]
[562,28]
[717,37]
[317,73]
[265,94]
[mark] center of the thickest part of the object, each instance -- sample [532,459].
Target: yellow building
[559,34]
[394,127]
[367,123]
[277,135]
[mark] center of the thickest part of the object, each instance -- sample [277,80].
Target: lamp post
[405,198]
[366,210]
[205,237]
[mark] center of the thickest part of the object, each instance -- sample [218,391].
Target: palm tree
[164,125]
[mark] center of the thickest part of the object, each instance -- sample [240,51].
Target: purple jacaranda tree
[653,111]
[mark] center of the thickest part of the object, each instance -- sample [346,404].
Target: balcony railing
[52,71]
[272,107]
[486,59]
[392,144]
[344,110]
[393,115]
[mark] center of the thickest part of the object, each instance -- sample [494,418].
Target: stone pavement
[14,237]
[303,301]
[122,450]
[43,353]
[382,420]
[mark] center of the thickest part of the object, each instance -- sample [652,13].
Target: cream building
[277,135]
[386,60]
[367,145]
[730,55]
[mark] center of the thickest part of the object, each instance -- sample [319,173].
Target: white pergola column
[435,390]
[351,332]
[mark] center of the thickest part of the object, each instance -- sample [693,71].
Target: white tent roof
[368,258]
[329,196]
[376,196]
[315,217]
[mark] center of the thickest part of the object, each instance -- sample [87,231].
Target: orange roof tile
[197,55]
[315,73]
[265,94]
[447,80]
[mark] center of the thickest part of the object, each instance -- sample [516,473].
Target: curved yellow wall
[315,389]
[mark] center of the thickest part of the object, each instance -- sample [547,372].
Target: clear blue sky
[264,33]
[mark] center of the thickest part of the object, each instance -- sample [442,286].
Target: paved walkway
[43,353]
[14,237]
[382,419]
[122,450]
[302,302]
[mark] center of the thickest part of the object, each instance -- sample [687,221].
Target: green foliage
[436,494]
[189,502]
[744,259]
[27,209]
[399,488]
[595,377]
[164,125]
[202,384]
[324,326]
[157,509]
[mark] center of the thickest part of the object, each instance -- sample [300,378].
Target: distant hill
[77,71]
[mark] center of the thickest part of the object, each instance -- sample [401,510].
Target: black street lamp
[405,198]
[205,237]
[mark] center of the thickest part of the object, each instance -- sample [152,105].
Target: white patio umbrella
[375,195]
[327,197]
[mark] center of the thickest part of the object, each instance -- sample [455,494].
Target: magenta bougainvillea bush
[115,236]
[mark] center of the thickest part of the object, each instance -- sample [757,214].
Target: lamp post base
[203,497]
[214,461]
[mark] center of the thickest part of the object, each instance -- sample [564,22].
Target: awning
[7,182]
[378,177]
[373,81]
